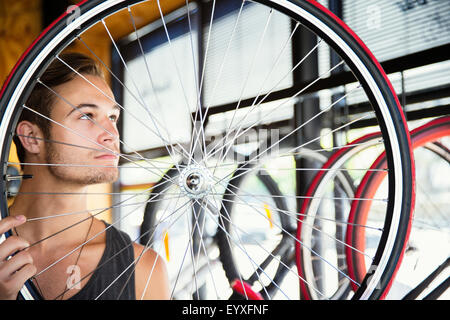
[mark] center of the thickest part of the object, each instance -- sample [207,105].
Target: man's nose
[109,134]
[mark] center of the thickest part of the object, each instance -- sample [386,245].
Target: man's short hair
[42,98]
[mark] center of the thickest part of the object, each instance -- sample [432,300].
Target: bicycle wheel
[357,212]
[197,96]
[423,138]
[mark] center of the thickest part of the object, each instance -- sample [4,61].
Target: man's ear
[30,136]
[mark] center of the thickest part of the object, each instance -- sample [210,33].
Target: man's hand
[14,269]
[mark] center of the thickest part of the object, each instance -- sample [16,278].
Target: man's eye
[113,118]
[86,116]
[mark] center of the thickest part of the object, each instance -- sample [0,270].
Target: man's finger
[10,222]
[12,245]
[16,263]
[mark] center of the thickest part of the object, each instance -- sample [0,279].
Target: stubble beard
[79,175]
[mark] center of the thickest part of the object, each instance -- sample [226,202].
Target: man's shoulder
[150,272]
[146,255]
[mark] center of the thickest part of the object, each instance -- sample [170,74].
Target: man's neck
[50,206]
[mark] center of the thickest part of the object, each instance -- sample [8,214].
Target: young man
[82,132]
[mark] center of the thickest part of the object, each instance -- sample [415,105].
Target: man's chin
[89,178]
[103,177]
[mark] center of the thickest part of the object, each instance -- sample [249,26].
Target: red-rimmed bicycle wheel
[360,211]
[356,224]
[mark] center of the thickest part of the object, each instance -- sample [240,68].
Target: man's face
[88,119]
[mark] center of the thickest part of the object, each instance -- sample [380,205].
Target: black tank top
[115,269]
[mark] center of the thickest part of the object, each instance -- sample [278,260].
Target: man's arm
[155,283]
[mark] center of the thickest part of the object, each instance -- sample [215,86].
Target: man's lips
[106,156]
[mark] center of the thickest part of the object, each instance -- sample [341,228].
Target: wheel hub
[195,181]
